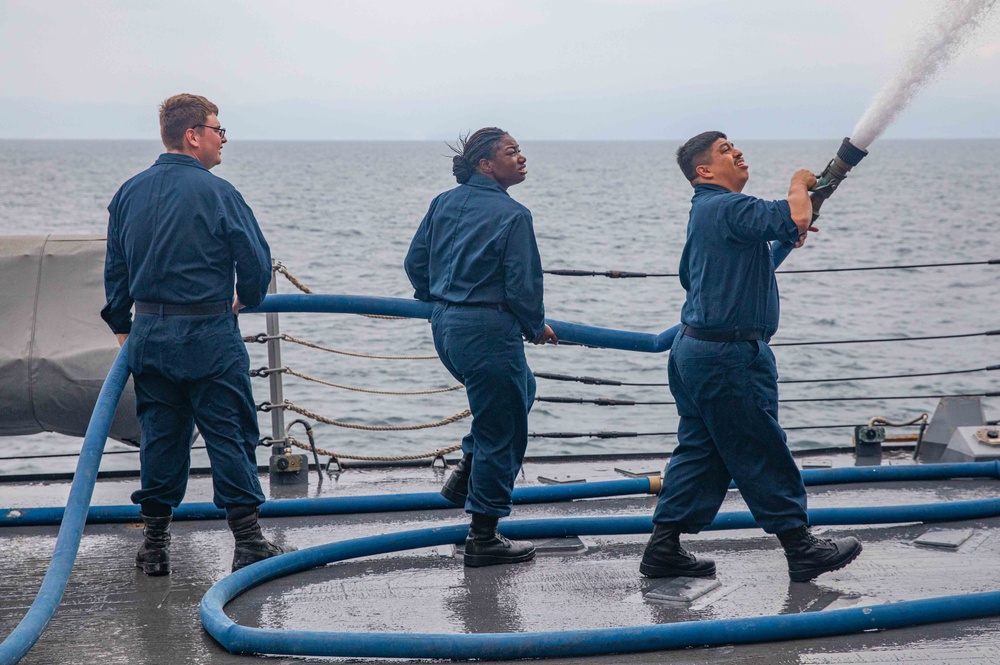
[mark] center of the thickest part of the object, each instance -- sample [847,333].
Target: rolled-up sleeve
[251,253]
[117,312]
[417,261]
[523,276]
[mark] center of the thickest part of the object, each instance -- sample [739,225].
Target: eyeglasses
[220,130]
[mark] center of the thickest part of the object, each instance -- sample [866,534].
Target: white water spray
[958,20]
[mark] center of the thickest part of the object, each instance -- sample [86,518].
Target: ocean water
[340,215]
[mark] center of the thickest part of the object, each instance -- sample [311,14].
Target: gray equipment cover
[55,350]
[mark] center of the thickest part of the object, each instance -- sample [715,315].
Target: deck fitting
[945,539]
[681,589]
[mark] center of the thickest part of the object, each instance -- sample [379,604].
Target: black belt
[500,307]
[731,336]
[165,309]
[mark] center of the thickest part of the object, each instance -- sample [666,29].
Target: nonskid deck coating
[111,613]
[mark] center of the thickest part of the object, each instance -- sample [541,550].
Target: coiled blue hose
[240,639]
[44,606]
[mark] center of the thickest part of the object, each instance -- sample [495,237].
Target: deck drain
[681,589]
[946,539]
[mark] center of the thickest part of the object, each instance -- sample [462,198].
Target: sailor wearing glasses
[180,240]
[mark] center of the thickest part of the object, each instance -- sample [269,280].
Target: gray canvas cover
[55,350]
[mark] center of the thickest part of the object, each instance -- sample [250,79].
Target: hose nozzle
[847,158]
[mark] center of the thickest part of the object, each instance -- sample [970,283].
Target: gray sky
[543,69]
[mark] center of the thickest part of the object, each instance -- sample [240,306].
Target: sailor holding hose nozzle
[722,372]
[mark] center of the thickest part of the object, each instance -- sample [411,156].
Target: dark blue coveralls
[177,237]
[475,255]
[726,391]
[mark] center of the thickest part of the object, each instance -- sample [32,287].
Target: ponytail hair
[481,144]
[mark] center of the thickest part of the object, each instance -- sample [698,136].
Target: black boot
[154,553]
[664,556]
[251,545]
[809,556]
[456,488]
[485,547]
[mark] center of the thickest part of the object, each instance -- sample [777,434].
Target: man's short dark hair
[179,114]
[694,153]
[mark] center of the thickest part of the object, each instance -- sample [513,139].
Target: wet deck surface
[111,613]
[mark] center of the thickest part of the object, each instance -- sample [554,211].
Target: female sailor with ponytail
[475,256]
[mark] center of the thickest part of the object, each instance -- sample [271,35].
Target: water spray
[957,22]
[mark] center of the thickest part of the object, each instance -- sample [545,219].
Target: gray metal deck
[113,614]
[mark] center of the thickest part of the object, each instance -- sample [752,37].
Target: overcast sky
[543,69]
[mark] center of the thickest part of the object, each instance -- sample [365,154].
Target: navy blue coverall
[179,236]
[475,255]
[727,392]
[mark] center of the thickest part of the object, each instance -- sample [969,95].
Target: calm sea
[340,216]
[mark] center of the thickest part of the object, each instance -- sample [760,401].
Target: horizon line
[551,140]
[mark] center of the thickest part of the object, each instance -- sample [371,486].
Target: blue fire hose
[240,639]
[380,503]
[44,606]
[237,638]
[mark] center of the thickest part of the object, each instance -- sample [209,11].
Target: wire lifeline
[986,333]
[375,428]
[433,454]
[312,345]
[622,274]
[555,435]
[27,632]
[606,401]
[289,370]
[240,639]
[595,381]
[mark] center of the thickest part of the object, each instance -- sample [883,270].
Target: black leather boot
[251,545]
[809,556]
[456,488]
[154,553]
[485,547]
[664,556]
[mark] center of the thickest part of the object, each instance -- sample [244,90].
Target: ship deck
[111,613]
